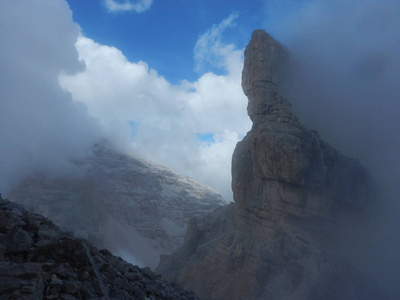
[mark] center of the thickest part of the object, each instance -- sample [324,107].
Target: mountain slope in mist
[136,209]
[297,202]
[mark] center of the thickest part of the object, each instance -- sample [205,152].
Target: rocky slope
[293,195]
[136,209]
[39,261]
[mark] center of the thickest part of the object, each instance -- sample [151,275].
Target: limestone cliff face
[291,190]
[280,166]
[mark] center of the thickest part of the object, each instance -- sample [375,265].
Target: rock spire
[291,190]
[263,59]
[279,159]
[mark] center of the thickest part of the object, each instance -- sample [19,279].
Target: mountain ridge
[119,196]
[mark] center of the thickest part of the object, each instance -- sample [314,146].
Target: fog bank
[343,81]
[41,127]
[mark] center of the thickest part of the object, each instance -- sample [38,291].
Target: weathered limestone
[263,60]
[279,158]
[290,190]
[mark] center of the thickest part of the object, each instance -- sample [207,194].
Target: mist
[41,128]
[343,81]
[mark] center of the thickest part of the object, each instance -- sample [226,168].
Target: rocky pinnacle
[291,190]
[263,59]
[280,152]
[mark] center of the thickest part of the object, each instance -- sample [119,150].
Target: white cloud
[41,127]
[167,117]
[210,50]
[127,5]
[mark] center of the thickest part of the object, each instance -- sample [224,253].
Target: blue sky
[165,35]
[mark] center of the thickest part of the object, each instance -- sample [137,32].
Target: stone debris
[39,261]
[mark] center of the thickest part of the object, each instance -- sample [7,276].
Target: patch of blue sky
[207,137]
[134,128]
[165,35]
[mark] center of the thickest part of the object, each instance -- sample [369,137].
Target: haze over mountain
[297,202]
[343,82]
[136,209]
[118,91]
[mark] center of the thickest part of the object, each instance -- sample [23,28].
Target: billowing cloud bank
[344,82]
[41,127]
[192,127]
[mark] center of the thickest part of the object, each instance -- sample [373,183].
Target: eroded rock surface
[39,261]
[136,209]
[292,190]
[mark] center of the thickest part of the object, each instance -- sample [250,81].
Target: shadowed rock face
[292,191]
[40,261]
[263,59]
[281,166]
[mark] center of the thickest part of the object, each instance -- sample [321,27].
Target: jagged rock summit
[39,261]
[136,209]
[279,157]
[291,192]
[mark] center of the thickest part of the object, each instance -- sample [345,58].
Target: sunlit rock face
[292,193]
[134,208]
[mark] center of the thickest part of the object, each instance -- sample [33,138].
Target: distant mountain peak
[135,208]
